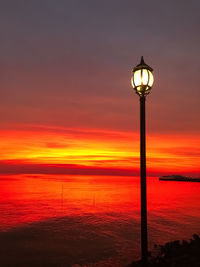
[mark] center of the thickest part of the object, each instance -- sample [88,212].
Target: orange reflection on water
[27,199]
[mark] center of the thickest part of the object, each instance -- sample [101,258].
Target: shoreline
[178,178]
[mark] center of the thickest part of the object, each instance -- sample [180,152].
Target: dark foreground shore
[176,254]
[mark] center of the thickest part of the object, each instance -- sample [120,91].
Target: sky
[66,101]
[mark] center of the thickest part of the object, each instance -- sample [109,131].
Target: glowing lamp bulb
[142,79]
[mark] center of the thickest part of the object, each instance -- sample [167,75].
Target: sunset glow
[94,148]
[99,133]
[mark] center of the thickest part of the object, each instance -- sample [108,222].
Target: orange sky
[58,147]
[65,91]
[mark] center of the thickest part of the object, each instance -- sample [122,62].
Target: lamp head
[142,79]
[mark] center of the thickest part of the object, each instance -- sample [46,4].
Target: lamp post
[142,81]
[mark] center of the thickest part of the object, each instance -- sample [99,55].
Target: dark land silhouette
[176,254]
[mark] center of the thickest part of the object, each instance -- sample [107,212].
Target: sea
[90,221]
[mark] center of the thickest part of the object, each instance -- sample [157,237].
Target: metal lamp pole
[142,81]
[144,246]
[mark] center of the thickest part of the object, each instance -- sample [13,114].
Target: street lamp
[142,81]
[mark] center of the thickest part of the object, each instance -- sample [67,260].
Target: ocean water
[63,220]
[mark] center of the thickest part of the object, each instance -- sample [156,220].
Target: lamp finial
[142,61]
